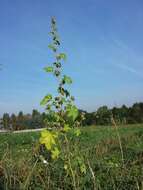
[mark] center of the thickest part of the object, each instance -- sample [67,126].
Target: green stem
[69,161]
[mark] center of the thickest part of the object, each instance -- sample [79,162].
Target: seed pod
[57,106]
[57,98]
[57,73]
[58,65]
[67,93]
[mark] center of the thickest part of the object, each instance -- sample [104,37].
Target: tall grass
[21,168]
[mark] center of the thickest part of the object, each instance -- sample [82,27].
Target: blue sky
[102,39]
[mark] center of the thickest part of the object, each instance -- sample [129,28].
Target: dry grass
[20,169]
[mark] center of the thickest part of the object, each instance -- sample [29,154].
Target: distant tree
[20,121]
[123,114]
[103,116]
[13,121]
[136,113]
[90,119]
[36,119]
[6,121]
[118,115]
[43,117]
[35,113]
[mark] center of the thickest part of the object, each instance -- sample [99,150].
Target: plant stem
[69,161]
[119,139]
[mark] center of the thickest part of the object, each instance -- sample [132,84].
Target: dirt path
[21,131]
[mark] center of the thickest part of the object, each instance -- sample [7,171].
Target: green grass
[100,149]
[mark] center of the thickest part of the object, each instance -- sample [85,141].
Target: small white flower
[45,162]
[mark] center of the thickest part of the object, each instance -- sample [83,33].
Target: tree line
[102,116]
[23,121]
[121,115]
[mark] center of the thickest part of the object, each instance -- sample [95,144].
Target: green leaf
[52,47]
[61,56]
[48,107]
[66,128]
[49,69]
[56,117]
[77,132]
[67,79]
[72,112]
[46,99]
[48,139]
[55,153]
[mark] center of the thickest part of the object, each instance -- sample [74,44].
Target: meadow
[111,162]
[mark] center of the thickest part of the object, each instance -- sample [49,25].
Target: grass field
[114,160]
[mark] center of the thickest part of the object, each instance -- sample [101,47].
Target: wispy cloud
[120,44]
[129,69]
[127,51]
[127,59]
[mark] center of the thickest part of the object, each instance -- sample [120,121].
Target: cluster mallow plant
[63,117]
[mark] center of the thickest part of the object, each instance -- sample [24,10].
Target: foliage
[6,120]
[21,121]
[64,117]
[122,115]
[20,169]
[61,108]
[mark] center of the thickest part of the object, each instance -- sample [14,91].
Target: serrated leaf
[48,138]
[72,112]
[46,99]
[49,69]
[67,79]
